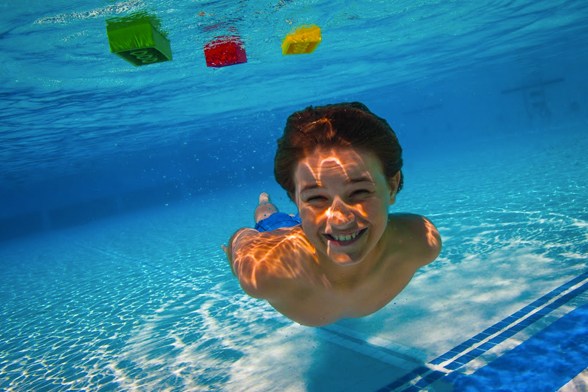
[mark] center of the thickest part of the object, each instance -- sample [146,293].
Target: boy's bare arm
[228,249]
[256,259]
[269,264]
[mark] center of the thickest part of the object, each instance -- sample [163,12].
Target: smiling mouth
[345,239]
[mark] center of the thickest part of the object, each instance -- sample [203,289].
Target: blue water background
[118,184]
[79,119]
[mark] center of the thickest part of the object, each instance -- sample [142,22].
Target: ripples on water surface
[486,100]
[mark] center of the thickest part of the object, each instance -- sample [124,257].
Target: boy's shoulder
[418,235]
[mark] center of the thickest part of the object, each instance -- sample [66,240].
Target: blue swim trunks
[277,220]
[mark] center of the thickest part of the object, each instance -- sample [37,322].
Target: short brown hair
[338,125]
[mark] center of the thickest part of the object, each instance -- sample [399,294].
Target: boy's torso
[311,298]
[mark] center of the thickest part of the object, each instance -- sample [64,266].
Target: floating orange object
[303,40]
[225,51]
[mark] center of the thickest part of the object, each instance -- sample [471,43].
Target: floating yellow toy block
[138,40]
[303,40]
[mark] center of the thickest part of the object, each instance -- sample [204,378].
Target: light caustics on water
[148,301]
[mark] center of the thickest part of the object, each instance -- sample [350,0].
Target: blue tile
[454,365]
[507,334]
[544,311]
[428,379]
[492,330]
[443,358]
[523,312]
[412,388]
[405,379]
[550,358]
[487,346]
[510,320]
[516,327]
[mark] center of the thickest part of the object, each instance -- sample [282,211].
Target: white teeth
[346,237]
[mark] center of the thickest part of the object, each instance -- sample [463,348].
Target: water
[119,184]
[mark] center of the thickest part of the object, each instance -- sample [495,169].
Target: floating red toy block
[224,51]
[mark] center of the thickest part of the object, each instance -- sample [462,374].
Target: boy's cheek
[307,219]
[310,216]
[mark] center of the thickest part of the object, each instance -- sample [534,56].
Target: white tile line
[436,368]
[442,367]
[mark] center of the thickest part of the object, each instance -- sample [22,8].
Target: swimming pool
[119,184]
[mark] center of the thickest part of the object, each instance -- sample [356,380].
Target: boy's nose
[339,214]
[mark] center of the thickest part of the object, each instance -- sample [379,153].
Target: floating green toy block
[137,40]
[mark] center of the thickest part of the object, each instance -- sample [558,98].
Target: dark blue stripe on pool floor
[427,375]
[510,319]
[546,361]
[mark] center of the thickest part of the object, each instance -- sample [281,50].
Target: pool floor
[145,302]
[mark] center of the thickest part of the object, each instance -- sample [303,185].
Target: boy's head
[339,125]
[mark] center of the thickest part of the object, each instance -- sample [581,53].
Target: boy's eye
[360,192]
[315,198]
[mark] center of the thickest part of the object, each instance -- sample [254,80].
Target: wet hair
[338,125]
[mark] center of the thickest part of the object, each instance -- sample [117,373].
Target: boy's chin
[343,259]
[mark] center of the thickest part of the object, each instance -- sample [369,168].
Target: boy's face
[343,196]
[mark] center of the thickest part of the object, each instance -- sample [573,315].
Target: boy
[344,255]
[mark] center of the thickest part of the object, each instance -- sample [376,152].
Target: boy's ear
[394,183]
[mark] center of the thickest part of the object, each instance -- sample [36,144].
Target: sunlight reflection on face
[343,196]
[342,192]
